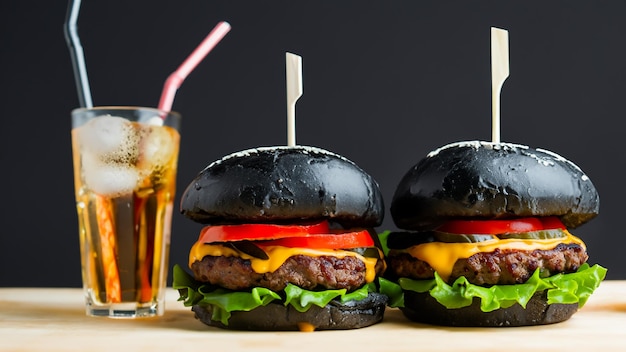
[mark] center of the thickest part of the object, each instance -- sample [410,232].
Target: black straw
[77,55]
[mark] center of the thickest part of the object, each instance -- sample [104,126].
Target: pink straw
[177,77]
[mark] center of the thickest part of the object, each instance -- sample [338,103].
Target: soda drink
[125,162]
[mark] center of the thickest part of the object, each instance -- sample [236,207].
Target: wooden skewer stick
[294,92]
[499,73]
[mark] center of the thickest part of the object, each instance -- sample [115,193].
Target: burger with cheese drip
[288,242]
[486,236]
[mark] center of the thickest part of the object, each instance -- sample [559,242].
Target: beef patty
[323,272]
[502,267]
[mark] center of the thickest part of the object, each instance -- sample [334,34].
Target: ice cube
[111,138]
[155,121]
[108,179]
[158,146]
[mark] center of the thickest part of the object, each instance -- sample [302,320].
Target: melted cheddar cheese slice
[277,256]
[441,256]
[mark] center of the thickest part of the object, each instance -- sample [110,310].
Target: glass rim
[127,108]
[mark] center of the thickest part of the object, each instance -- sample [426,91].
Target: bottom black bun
[423,308]
[277,317]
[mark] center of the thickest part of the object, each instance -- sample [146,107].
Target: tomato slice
[256,232]
[552,222]
[317,235]
[494,227]
[352,239]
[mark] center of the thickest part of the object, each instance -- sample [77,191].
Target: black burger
[288,243]
[486,238]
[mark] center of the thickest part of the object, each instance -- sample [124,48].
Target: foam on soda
[110,138]
[118,155]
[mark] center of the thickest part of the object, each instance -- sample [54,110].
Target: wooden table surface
[53,319]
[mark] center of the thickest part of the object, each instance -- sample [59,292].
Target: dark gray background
[384,83]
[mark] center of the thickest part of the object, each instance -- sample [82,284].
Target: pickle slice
[534,235]
[459,238]
[401,240]
[367,252]
[249,248]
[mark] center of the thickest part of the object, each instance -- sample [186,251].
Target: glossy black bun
[277,317]
[477,179]
[423,308]
[283,184]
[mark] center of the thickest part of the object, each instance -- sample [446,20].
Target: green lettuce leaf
[393,291]
[561,288]
[302,299]
[222,300]
[382,238]
[225,301]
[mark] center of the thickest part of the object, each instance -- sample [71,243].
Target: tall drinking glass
[125,161]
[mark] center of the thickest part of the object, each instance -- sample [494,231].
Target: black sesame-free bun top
[283,185]
[484,180]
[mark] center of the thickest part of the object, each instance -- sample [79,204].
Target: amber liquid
[125,238]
